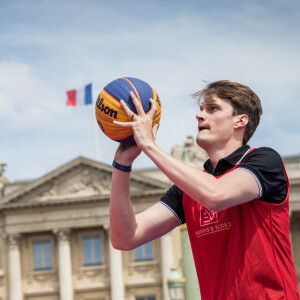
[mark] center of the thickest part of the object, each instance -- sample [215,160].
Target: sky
[49,47]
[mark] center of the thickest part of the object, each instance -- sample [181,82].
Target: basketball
[108,106]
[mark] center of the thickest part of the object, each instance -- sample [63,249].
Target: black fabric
[268,167]
[173,199]
[225,164]
[265,163]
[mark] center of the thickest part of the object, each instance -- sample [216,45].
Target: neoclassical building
[55,241]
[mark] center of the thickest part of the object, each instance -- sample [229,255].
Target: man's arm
[128,230]
[231,189]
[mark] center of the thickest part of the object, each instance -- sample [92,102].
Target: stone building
[55,243]
[54,239]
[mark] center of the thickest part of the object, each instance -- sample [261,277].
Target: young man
[236,211]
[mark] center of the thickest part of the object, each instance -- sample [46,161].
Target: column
[192,291]
[167,262]
[64,264]
[116,272]
[14,267]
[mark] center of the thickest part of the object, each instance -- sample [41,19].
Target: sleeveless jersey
[243,252]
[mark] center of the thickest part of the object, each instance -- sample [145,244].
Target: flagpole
[96,127]
[97,143]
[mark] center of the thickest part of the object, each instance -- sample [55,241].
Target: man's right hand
[126,154]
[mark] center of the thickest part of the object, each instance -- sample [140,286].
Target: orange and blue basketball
[109,108]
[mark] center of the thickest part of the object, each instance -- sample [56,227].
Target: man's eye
[213,108]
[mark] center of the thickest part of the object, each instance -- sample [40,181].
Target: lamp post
[176,285]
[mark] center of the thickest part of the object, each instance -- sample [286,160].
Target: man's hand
[143,130]
[126,154]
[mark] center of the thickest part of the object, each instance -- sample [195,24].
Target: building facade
[55,243]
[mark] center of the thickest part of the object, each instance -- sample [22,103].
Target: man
[236,211]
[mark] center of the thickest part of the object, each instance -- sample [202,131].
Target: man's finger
[151,113]
[123,124]
[138,106]
[154,130]
[127,110]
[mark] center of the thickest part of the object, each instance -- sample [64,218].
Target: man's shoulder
[267,153]
[263,158]
[266,165]
[264,148]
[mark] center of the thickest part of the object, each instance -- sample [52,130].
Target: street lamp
[176,285]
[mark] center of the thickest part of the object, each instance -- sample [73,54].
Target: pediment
[79,178]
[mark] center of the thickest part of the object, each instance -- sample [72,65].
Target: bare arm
[127,230]
[234,188]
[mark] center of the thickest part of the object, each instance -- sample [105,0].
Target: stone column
[116,272]
[167,260]
[14,267]
[64,264]
[192,291]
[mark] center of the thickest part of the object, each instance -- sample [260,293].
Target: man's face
[215,123]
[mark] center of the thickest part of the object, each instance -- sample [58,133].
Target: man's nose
[200,116]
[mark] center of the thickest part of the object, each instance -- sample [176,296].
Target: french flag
[80,97]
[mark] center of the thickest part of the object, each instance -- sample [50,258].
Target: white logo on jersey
[209,222]
[207,216]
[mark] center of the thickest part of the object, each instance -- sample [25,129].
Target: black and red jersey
[243,252]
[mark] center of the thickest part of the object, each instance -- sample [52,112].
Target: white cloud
[173,46]
[25,99]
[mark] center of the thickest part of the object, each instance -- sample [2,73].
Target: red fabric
[71,98]
[243,252]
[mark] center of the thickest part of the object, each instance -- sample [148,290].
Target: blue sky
[48,47]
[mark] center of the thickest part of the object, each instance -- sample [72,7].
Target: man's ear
[241,121]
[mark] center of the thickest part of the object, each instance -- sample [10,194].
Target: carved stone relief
[92,272]
[13,240]
[62,234]
[147,267]
[84,184]
[44,276]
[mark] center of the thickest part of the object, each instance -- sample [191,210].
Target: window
[92,249]
[42,255]
[144,252]
[145,298]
